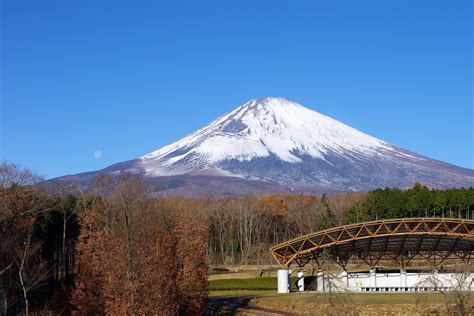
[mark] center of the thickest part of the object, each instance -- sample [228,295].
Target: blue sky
[128,77]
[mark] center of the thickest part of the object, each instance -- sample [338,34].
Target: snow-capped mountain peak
[257,129]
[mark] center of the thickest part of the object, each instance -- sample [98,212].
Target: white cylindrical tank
[283,281]
[301,280]
[320,281]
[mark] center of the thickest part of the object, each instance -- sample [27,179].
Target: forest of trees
[418,201]
[118,250]
[242,229]
[113,251]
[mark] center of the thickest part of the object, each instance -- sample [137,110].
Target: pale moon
[98,154]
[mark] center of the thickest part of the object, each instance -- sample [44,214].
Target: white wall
[388,279]
[359,279]
[394,282]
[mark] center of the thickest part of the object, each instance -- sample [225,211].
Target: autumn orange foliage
[137,255]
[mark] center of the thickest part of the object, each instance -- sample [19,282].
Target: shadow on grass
[227,305]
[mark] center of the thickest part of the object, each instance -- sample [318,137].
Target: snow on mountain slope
[260,128]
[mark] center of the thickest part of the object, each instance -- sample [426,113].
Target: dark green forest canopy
[418,201]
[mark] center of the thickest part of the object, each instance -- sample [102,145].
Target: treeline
[242,229]
[418,201]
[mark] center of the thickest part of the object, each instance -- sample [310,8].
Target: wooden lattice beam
[379,236]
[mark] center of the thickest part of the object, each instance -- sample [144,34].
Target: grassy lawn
[265,289]
[243,284]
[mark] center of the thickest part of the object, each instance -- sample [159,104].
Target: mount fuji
[275,144]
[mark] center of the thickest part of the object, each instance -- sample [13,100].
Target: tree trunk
[20,272]
[23,286]
[63,250]
[25,297]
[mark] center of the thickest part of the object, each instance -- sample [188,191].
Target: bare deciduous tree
[456,291]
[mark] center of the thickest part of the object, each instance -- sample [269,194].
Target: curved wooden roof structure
[400,239]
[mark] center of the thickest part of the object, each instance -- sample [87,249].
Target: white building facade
[380,281]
